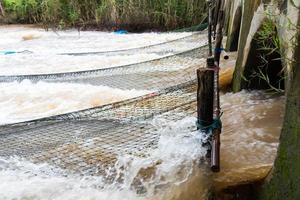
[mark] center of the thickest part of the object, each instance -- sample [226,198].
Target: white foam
[26,100]
[22,64]
[74,41]
[174,160]
[48,45]
[177,154]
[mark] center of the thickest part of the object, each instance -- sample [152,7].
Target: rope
[219,50]
[216,124]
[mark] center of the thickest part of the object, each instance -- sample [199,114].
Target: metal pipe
[209,27]
[215,144]
[215,151]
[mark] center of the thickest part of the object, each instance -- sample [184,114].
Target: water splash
[40,40]
[27,100]
[45,47]
[252,123]
[166,168]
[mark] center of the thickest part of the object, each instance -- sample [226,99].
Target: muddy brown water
[252,124]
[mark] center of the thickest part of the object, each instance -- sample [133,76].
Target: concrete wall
[233,23]
[254,12]
[248,10]
[285,180]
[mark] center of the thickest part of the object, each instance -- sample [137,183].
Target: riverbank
[135,16]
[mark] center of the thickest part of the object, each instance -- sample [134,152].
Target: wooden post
[205,98]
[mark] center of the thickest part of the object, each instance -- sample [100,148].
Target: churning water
[252,123]
[26,100]
[40,49]
[165,169]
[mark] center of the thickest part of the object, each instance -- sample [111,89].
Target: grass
[269,48]
[136,14]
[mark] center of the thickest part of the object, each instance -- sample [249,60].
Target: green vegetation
[135,14]
[270,56]
[264,66]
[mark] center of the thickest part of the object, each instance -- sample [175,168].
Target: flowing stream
[27,101]
[252,123]
[26,50]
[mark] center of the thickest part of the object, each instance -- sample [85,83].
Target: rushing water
[165,169]
[39,40]
[252,123]
[41,49]
[252,126]
[26,101]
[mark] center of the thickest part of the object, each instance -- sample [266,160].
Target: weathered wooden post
[205,98]
[208,106]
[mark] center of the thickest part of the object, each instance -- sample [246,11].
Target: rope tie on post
[219,50]
[217,124]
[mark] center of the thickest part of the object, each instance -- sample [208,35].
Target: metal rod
[209,27]
[215,151]
[217,7]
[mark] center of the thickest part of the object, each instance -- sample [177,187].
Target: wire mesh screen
[88,141]
[161,48]
[145,75]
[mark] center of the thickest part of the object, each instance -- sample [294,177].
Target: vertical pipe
[216,15]
[219,37]
[215,151]
[210,27]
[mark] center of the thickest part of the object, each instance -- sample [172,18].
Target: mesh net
[153,75]
[160,48]
[87,142]
[113,76]
[199,27]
